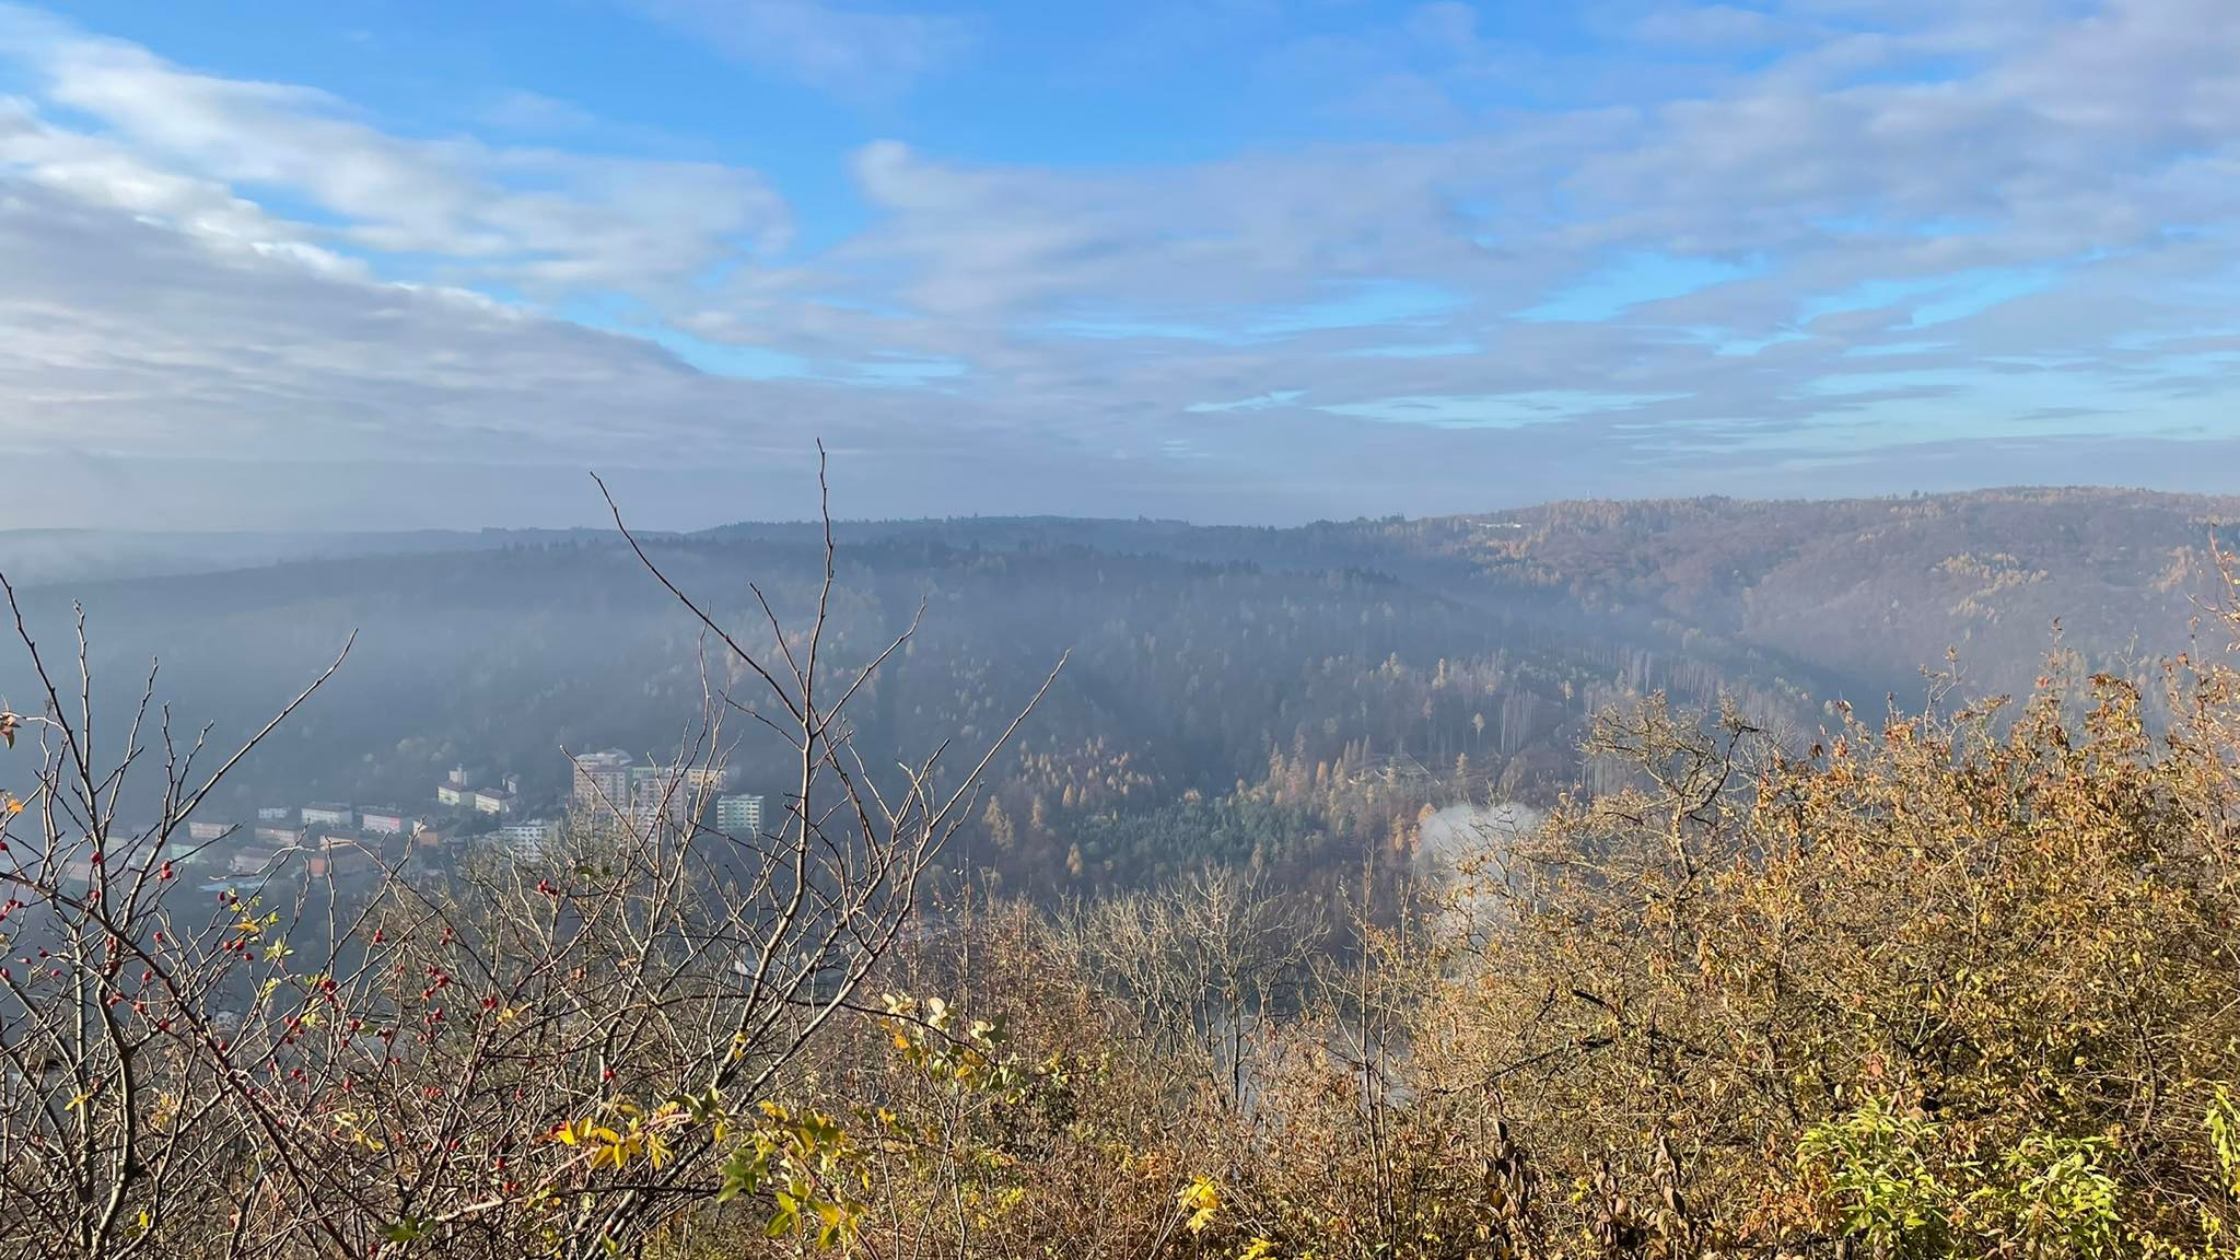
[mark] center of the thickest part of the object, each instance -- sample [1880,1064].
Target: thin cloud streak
[857,54]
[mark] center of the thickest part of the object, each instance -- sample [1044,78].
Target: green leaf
[743,1173]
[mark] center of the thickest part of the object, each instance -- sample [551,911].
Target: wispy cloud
[860,53]
[521,110]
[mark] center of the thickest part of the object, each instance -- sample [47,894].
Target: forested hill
[1872,589]
[1280,694]
[38,556]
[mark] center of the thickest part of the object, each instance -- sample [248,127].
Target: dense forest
[1288,697]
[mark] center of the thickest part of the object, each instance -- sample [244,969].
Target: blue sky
[425,263]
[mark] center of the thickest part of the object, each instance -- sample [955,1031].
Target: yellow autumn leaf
[1201,1199]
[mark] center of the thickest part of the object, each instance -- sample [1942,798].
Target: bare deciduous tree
[360,1051]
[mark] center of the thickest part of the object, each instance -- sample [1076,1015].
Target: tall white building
[601,779]
[739,816]
[703,781]
[676,794]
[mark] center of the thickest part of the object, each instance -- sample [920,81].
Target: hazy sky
[424,262]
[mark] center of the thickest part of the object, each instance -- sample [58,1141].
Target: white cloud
[103,173]
[530,217]
[167,306]
[2061,149]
